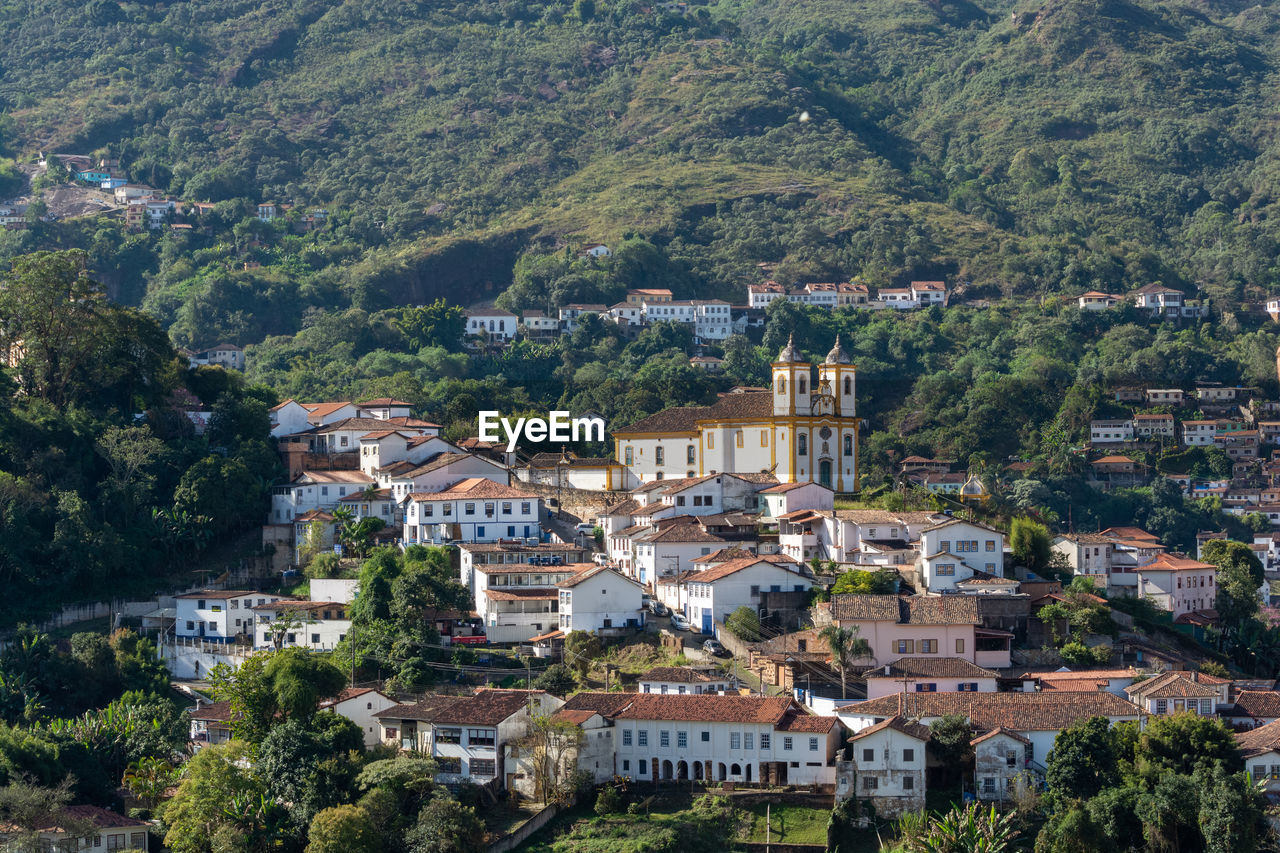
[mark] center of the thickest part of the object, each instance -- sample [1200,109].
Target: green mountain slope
[1021,147]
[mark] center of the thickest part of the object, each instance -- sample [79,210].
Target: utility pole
[768,826]
[353,653]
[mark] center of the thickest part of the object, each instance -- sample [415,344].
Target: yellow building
[799,431]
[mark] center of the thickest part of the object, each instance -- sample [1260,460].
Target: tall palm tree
[846,646]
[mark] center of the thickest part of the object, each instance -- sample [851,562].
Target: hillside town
[805,643]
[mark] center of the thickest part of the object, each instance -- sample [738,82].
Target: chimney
[886,669]
[198,703]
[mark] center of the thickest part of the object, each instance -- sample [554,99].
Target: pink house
[922,626]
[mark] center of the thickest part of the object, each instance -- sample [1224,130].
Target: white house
[1110,431]
[676,312]
[929,675]
[286,623]
[1178,692]
[712,320]
[340,590]
[952,551]
[998,757]
[492,324]
[288,418]
[724,738]
[1159,299]
[1260,749]
[1086,553]
[482,556]
[315,490]
[600,601]
[108,829]
[538,323]
[572,313]
[1096,300]
[899,298]
[1178,584]
[360,705]
[466,736]
[784,498]
[683,679]
[472,510]
[760,295]
[1199,433]
[890,760]
[438,472]
[663,551]
[383,447]
[217,616]
[593,754]
[927,293]
[519,602]
[229,356]
[709,596]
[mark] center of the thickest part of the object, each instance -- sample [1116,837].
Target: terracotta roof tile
[997,731]
[1261,740]
[751,405]
[1259,704]
[473,487]
[930,667]
[678,675]
[1021,712]
[487,707]
[426,709]
[704,708]
[896,723]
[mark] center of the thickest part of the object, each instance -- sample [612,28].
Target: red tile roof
[997,731]
[473,487]
[704,708]
[1021,712]
[896,723]
[930,667]
[1258,741]
[488,707]
[678,675]
[1259,704]
[426,709]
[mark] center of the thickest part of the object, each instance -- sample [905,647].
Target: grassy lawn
[791,824]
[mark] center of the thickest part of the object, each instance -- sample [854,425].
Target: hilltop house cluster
[148,208]
[711,320]
[1229,418]
[1158,300]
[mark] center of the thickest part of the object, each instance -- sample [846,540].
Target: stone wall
[584,504]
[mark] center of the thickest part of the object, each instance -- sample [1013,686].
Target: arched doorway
[666,770]
[824,473]
[682,770]
[735,770]
[748,772]
[723,772]
[697,771]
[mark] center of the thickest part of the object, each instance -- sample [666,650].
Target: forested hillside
[1018,147]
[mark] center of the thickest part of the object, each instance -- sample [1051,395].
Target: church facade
[797,431]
